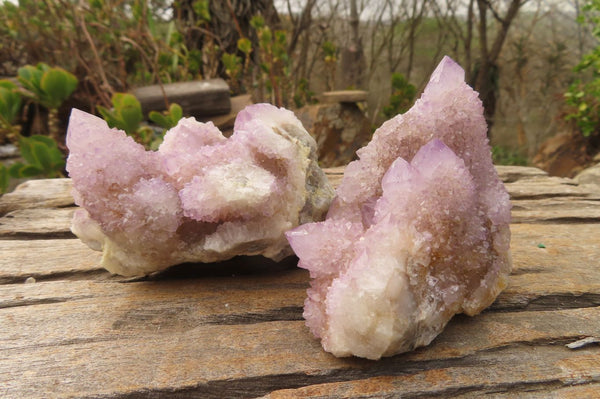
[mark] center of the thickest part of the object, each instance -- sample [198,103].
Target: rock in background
[590,177]
[566,154]
[338,125]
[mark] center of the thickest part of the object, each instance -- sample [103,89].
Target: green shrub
[42,158]
[47,86]
[111,44]
[273,61]
[583,106]
[126,114]
[402,97]
[10,103]
[582,99]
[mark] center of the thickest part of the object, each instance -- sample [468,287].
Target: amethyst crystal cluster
[201,197]
[418,230]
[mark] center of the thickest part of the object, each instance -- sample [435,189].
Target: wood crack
[37,236]
[487,389]
[286,313]
[42,301]
[557,220]
[561,301]
[71,275]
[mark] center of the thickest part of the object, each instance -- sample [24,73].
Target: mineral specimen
[418,230]
[201,197]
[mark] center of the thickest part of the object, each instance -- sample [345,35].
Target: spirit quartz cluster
[418,230]
[201,197]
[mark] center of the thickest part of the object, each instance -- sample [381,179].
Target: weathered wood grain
[175,305]
[235,329]
[544,370]
[566,271]
[43,193]
[545,187]
[49,223]
[556,210]
[45,259]
[198,330]
[86,351]
[509,173]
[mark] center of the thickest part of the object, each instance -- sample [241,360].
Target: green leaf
[57,85]
[45,85]
[230,61]
[30,77]
[159,119]
[131,116]
[25,146]
[57,158]
[42,155]
[126,113]
[281,37]
[58,168]
[30,171]
[167,119]
[47,141]
[201,9]
[13,170]
[244,45]
[19,170]
[50,158]
[265,37]
[10,101]
[118,99]
[109,116]
[176,113]
[7,84]
[257,22]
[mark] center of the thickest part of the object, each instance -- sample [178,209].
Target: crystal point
[418,230]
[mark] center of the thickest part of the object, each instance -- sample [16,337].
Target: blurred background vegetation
[535,63]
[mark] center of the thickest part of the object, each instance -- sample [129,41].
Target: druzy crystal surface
[201,197]
[418,230]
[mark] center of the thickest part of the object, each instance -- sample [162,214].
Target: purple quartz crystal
[418,230]
[201,197]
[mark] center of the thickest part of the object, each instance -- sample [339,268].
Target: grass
[508,156]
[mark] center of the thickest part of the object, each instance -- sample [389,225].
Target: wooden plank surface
[235,329]
[44,193]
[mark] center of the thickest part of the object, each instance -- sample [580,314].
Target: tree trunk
[353,57]
[487,73]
